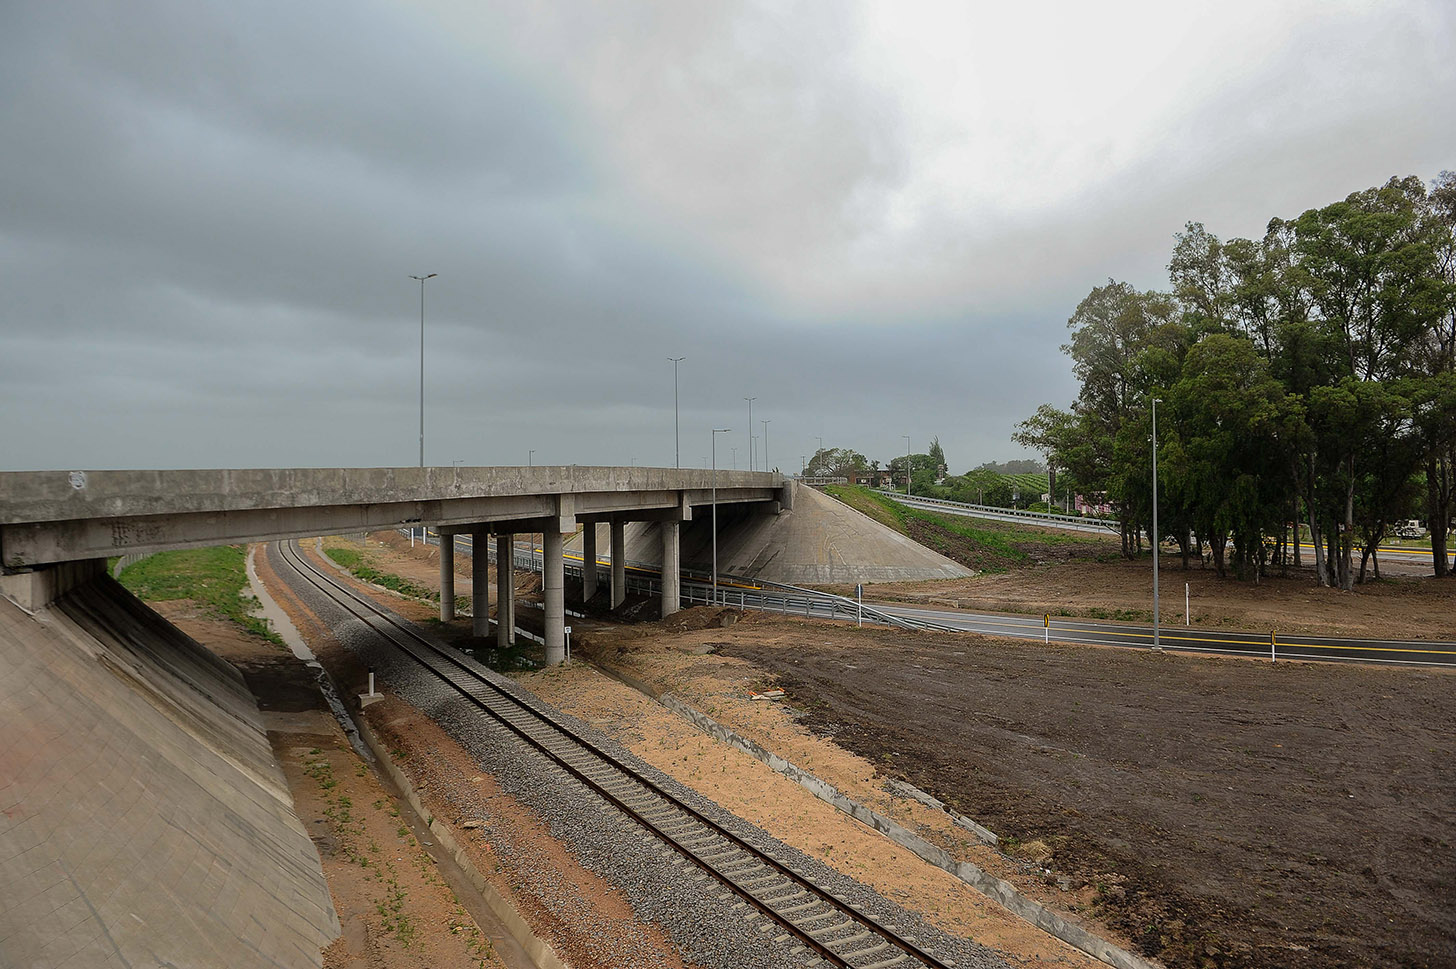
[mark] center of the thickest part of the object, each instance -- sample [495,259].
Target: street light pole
[750,430]
[676,446]
[907,464]
[422,361]
[1157,645]
[531,458]
[765,442]
[716,432]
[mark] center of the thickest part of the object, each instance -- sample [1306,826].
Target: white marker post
[1186,621]
[859,604]
[1272,648]
[568,644]
[1046,636]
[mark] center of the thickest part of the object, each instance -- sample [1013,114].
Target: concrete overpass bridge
[57,528]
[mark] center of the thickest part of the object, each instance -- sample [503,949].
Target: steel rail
[703,855]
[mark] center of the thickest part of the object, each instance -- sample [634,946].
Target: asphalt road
[1270,645]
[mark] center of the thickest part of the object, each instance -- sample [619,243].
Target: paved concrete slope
[143,820]
[819,541]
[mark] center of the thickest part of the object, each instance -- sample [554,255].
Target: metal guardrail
[1083,521]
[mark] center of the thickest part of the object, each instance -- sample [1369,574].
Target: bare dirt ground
[585,921]
[781,807]
[393,905]
[1211,812]
[1214,812]
[1407,608]
[732,778]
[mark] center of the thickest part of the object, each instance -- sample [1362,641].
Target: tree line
[1307,376]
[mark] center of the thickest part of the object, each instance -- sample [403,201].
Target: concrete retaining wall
[143,820]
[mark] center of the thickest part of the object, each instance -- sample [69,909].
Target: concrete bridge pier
[619,562]
[480,581]
[589,561]
[553,591]
[505,589]
[447,576]
[671,568]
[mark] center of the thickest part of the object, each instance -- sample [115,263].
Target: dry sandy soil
[393,905]
[1211,812]
[739,782]
[1216,812]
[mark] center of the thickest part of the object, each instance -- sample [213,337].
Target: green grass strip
[214,578]
[354,562]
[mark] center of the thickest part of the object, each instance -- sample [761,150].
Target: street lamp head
[721,430]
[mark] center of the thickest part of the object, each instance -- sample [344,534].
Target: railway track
[821,928]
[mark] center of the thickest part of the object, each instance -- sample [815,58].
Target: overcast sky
[874,217]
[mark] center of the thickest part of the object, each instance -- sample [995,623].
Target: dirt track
[1225,812]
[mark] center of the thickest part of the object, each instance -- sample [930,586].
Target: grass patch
[359,568]
[866,501]
[960,539]
[216,579]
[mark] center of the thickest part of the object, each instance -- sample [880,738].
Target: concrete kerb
[536,948]
[1003,892]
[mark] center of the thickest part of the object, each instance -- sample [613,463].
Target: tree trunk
[1438,509]
[1347,540]
[1294,521]
[1314,533]
[1216,545]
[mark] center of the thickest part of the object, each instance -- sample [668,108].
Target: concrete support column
[447,577]
[553,582]
[671,568]
[619,563]
[480,582]
[505,590]
[589,561]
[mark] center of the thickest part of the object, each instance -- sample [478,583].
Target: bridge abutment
[37,588]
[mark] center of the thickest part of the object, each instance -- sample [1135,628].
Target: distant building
[1092,505]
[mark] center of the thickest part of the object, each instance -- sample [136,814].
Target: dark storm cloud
[209,214]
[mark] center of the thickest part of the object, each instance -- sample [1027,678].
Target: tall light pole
[1156,643]
[422,361]
[818,458]
[735,458]
[716,432]
[765,442]
[750,430]
[531,458]
[907,464]
[676,446]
